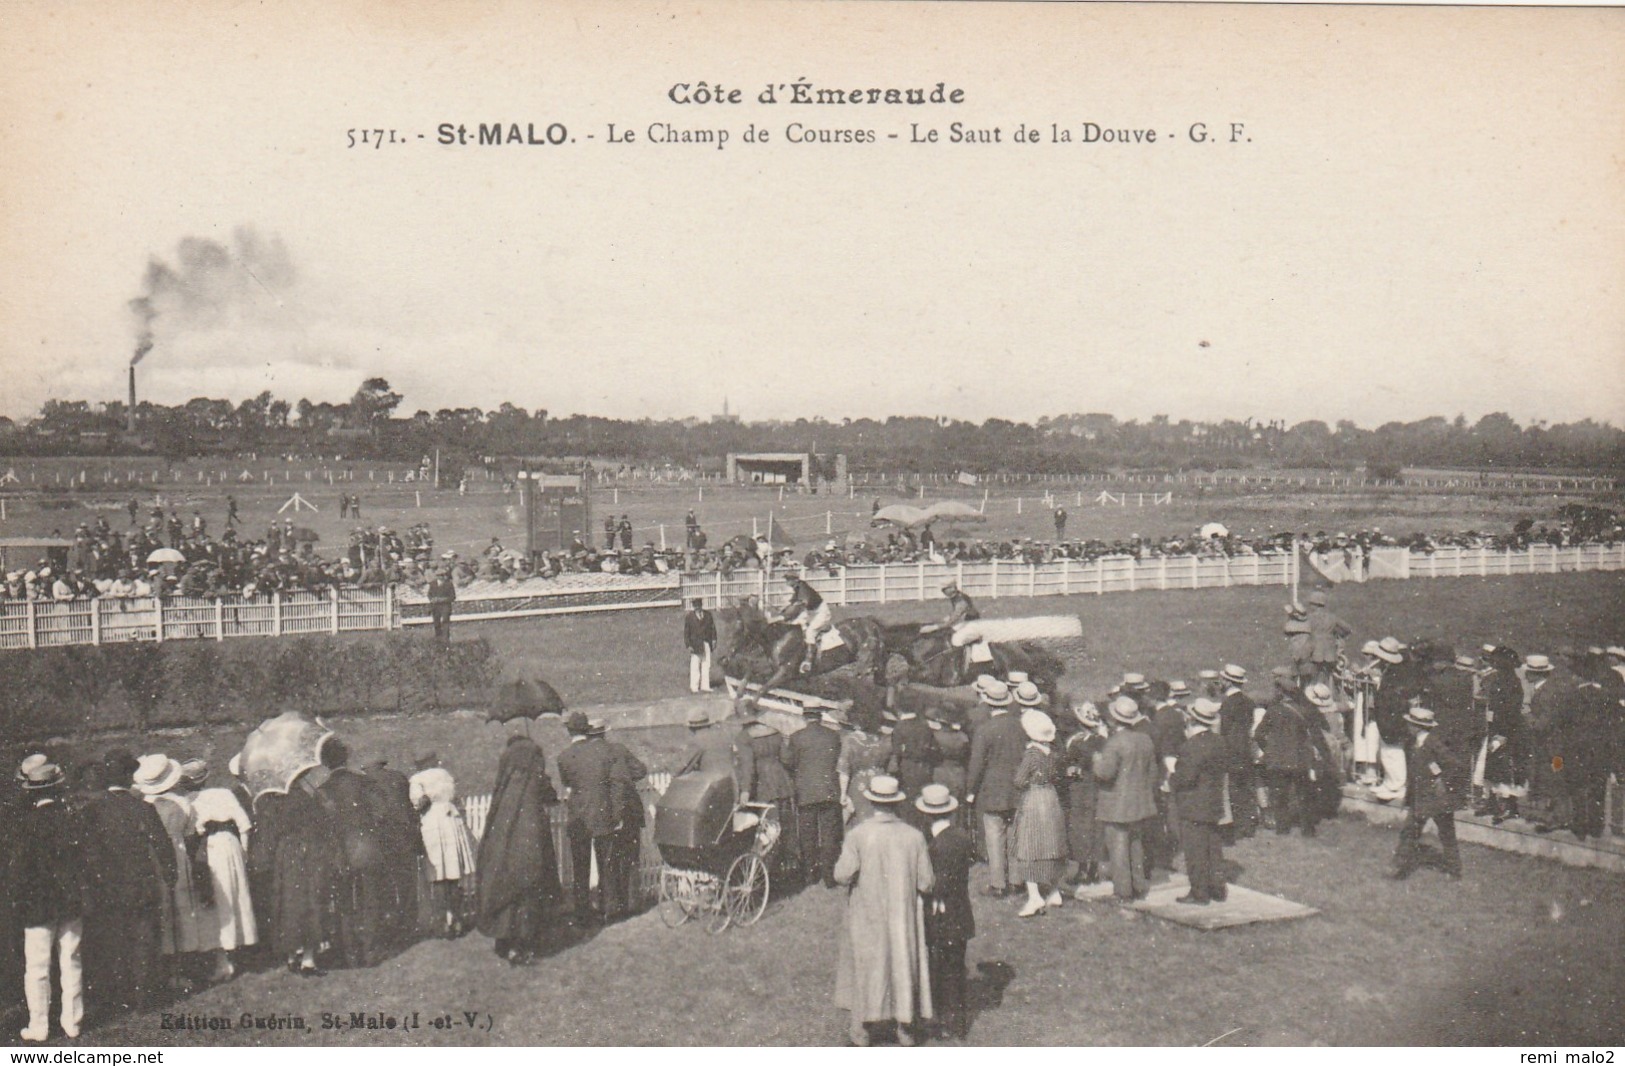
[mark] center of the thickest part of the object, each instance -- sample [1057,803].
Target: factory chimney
[129,413]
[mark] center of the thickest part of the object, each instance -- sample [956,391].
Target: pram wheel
[746,889]
[676,904]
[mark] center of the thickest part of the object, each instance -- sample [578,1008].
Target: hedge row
[81,690]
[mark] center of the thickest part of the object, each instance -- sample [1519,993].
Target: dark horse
[933,660]
[773,651]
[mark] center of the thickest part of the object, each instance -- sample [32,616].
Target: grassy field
[467,523]
[1520,952]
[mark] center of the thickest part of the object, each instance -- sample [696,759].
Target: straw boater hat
[234,765]
[1233,674]
[1038,726]
[698,718]
[1203,711]
[1178,690]
[597,727]
[194,771]
[1317,598]
[883,788]
[155,775]
[1421,718]
[936,799]
[1319,694]
[1016,677]
[1135,683]
[1388,649]
[1126,711]
[981,683]
[1537,664]
[1087,713]
[1027,694]
[1465,661]
[37,772]
[996,695]
[1207,675]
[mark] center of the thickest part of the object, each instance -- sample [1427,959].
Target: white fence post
[33,631]
[1032,579]
[1066,575]
[718,604]
[882,569]
[276,614]
[1162,572]
[219,618]
[95,621]
[389,602]
[993,591]
[158,609]
[843,588]
[921,579]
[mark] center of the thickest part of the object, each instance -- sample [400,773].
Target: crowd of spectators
[102,562]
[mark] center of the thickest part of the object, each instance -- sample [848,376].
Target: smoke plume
[210,285]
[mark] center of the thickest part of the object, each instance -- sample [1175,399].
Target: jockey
[807,609]
[961,612]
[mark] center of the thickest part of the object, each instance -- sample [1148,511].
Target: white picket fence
[32,624]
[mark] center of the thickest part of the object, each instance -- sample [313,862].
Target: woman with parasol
[296,851]
[519,870]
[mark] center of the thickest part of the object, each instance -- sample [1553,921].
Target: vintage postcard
[811,524]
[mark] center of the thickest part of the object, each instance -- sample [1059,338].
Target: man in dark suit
[914,759]
[1290,764]
[1236,727]
[1198,786]
[1126,768]
[587,770]
[628,771]
[442,595]
[1461,722]
[361,905]
[1428,775]
[700,638]
[811,755]
[949,922]
[990,781]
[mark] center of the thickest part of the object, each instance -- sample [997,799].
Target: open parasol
[953,511]
[1213,529]
[280,750]
[524,699]
[901,514]
[166,555]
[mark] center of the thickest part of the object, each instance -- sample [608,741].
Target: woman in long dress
[1506,753]
[185,915]
[1038,851]
[448,846]
[219,819]
[519,870]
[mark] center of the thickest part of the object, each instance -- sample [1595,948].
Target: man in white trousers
[47,876]
[700,637]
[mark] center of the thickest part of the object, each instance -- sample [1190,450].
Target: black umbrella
[524,699]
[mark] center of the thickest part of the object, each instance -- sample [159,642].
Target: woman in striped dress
[1038,851]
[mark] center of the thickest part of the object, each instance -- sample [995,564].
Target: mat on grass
[1243,906]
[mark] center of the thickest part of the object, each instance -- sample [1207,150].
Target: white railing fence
[45,624]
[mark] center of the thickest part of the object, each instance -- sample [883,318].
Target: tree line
[371,426]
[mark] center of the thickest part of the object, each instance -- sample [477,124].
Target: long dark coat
[134,865]
[519,868]
[1506,762]
[297,852]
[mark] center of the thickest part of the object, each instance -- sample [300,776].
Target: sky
[1423,214]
